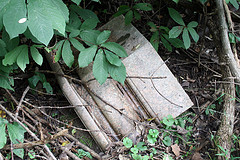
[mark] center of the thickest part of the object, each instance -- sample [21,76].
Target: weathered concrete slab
[156,88]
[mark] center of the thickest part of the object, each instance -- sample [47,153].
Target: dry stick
[37,143]
[21,100]
[86,148]
[28,130]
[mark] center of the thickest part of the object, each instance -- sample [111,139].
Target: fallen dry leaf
[197,156]
[176,149]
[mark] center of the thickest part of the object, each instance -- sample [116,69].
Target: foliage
[133,12]
[152,135]
[15,133]
[30,28]
[81,153]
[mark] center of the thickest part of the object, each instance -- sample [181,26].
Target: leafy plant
[152,135]
[162,34]
[15,133]
[40,77]
[81,153]
[234,3]
[127,142]
[210,109]
[132,12]
[183,28]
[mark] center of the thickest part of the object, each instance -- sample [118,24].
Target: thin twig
[21,100]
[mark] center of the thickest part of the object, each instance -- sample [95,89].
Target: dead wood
[229,68]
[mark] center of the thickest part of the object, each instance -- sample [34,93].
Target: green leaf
[74,20]
[227,1]
[167,141]
[115,48]
[74,33]
[151,139]
[29,35]
[235,4]
[86,56]
[128,17]
[153,132]
[127,142]
[122,9]
[6,81]
[112,58]
[175,31]
[37,57]
[118,73]
[194,34]
[141,146]
[76,44]
[155,40]
[3,137]
[186,38]
[48,87]
[176,1]
[62,8]
[3,51]
[58,47]
[192,24]
[39,23]
[90,36]
[143,6]
[14,18]
[137,15]
[103,37]
[10,44]
[16,135]
[100,65]
[67,55]
[11,57]
[33,81]
[23,59]
[134,150]
[169,121]
[231,38]
[174,41]
[204,1]
[166,44]
[176,16]
[84,13]
[89,24]
[77,1]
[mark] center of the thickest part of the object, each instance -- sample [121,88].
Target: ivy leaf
[193,33]
[16,134]
[186,38]
[129,17]
[115,48]
[118,73]
[112,58]
[37,57]
[90,36]
[76,44]
[77,1]
[127,142]
[176,16]
[175,31]
[86,56]
[67,55]
[192,24]
[89,24]
[167,141]
[122,9]
[13,16]
[103,37]
[100,65]
[11,57]
[169,121]
[23,59]
[143,6]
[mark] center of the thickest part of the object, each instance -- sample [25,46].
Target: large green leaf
[84,13]
[38,21]
[192,24]
[186,38]
[76,44]
[67,54]
[89,24]
[37,57]
[115,48]
[10,44]
[3,7]
[74,20]
[16,134]
[193,33]
[12,18]
[175,31]
[128,17]
[23,59]
[117,73]
[61,7]
[176,16]
[90,36]
[3,137]
[103,36]
[11,57]
[86,56]
[112,58]
[100,67]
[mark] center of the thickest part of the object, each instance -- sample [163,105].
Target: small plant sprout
[152,135]
[127,142]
